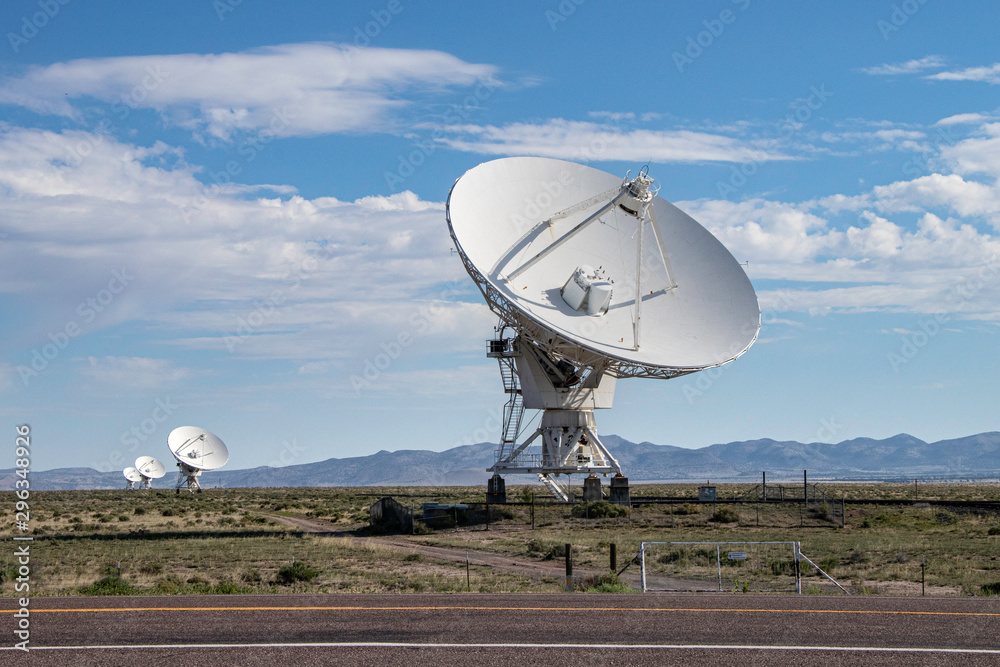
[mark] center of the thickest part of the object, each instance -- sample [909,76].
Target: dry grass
[221,540]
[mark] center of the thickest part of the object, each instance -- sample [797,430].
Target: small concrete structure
[592,489]
[619,493]
[388,512]
[496,491]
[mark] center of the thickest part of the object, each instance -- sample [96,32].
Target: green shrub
[298,571]
[599,509]
[421,528]
[153,567]
[991,589]
[684,510]
[780,567]
[725,515]
[110,585]
[251,576]
[168,585]
[994,530]
[604,583]
[829,563]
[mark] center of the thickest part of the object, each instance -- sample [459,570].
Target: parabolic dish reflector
[197,448]
[698,308]
[132,475]
[150,467]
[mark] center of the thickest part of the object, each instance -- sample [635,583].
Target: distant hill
[899,457]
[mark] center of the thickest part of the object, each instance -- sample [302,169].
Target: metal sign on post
[737,555]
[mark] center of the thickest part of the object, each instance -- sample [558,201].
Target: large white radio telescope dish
[196,450]
[594,278]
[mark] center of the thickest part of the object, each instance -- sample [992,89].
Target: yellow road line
[480,608]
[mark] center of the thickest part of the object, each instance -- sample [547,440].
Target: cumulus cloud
[248,274]
[290,90]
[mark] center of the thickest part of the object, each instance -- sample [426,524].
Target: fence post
[614,557]
[718,563]
[798,568]
[642,564]
[569,568]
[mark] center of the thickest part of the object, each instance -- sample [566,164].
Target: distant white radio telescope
[131,477]
[196,451]
[150,469]
[594,278]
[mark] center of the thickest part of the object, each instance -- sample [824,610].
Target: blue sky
[231,214]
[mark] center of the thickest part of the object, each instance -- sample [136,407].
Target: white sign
[737,555]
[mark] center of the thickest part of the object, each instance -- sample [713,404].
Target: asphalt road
[518,629]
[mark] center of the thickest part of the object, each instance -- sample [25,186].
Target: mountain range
[897,458]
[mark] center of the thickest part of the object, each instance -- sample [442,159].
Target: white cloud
[763,231]
[988,74]
[292,89]
[961,118]
[307,280]
[908,67]
[134,372]
[880,239]
[980,154]
[951,192]
[587,141]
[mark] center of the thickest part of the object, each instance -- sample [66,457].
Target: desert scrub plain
[265,540]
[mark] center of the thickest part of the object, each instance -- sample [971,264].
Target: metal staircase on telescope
[559,492]
[504,350]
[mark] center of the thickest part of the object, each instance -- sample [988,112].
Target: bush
[547,550]
[725,515]
[684,510]
[168,585]
[110,585]
[251,576]
[154,567]
[298,571]
[599,509]
[994,530]
[604,583]
[421,528]
[991,589]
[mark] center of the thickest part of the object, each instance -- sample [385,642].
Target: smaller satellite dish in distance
[197,448]
[150,467]
[132,475]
